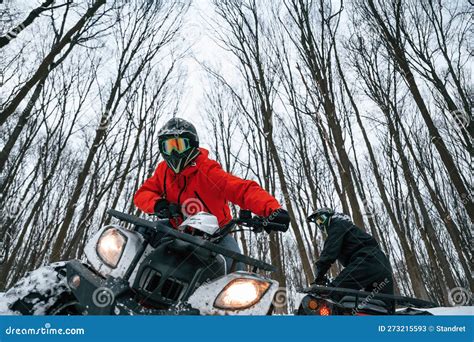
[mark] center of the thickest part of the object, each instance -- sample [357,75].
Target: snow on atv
[152,269]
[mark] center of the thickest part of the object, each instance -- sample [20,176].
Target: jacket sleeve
[151,191]
[332,247]
[246,194]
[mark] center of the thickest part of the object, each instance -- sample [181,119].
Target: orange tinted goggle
[179,145]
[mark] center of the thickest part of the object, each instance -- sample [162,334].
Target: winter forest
[360,105]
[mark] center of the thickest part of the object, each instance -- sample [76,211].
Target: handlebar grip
[270,226]
[278,227]
[119,215]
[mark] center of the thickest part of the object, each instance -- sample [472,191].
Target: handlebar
[273,226]
[245,219]
[161,228]
[395,299]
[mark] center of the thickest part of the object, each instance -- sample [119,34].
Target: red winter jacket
[204,186]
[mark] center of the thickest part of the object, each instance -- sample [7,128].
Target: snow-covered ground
[7,298]
[453,311]
[49,281]
[4,305]
[46,282]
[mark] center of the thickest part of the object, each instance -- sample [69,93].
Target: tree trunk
[437,140]
[12,34]
[43,68]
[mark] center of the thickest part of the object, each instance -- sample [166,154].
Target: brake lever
[258,229]
[258,224]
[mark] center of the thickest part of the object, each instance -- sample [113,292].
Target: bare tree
[248,34]
[386,23]
[138,35]
[42,69]
[34,14]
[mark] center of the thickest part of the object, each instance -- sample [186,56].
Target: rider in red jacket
[187,182]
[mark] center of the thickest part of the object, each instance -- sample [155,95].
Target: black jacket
[343,243]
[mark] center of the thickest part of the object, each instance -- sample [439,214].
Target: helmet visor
[179,145]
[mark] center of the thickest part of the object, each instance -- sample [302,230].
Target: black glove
[162,208]
[320,278]
[279,216]
[175,211]
[321,281]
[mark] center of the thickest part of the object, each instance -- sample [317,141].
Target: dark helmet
[179,143]
[321,217]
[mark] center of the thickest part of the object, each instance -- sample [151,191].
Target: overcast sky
[204,49]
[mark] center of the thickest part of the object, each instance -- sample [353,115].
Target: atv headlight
[241,293]
[110,246]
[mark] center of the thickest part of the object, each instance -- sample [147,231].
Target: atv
[329,301]
[153,269]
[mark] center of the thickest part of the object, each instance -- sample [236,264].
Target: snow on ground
[49,281]
[452,311]
[4,302]
[46,283]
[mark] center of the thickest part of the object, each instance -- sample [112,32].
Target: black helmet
[321,217]
[179,143]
